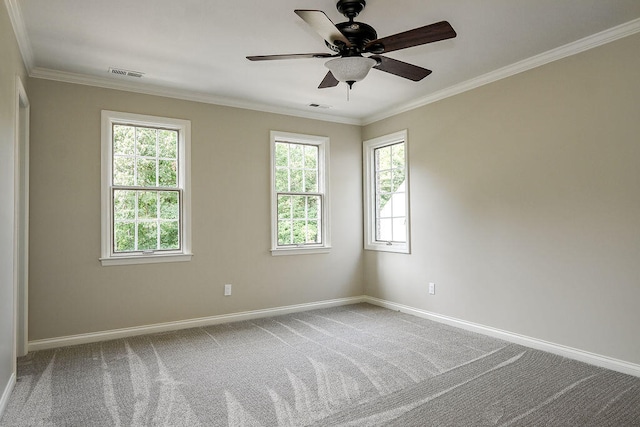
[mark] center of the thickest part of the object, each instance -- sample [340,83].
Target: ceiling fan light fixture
[350,69]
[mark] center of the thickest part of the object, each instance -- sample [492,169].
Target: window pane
[296,181]
[398,204]
[146,142]
[284,233]
[282,154]
[310,157]
[383,231]
[296,154]
[397,156]
[310,181]
[169,205]
[125,236]
[168,143]
[383,158]
[296,174]
[167,173]
[147,236]
[299,232]
[397,180]
[124,204]
[146,173]
[284,207]
[169,235]
[383,207]
[384,182]
[313,206]
[147,204]
[123,140]
[299,208]
[399,230]
[123,171]
[312,232]
[282,180]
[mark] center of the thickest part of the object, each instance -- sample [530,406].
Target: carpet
[356,365]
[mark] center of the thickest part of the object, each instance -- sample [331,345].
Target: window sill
[301,251]
[383,247]
[145,259]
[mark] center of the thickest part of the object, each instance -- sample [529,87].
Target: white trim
[21,221]
[559,349]
[145,259]
[586,43]
[565,351]
[184,179]
[4,399]
[303,251]
[369,194]
[148,89]
[589,42]
[323,144]
[186,324]
[20,30]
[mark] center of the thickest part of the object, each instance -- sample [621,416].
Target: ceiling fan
[349,40]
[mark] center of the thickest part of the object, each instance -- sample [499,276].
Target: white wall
[526,204]
[10,67]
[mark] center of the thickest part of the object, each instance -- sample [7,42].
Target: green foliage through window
[299,202]
[390,194]
[146,197]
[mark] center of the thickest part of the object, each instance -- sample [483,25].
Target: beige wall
[525,204]
[11,66]
[525,208]
[71,293]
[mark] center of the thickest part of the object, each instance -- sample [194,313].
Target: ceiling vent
[314,105]
[126,73]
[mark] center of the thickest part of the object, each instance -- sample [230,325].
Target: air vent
[126,73]
[314,105]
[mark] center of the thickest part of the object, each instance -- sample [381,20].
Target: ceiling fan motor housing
[351,8]
[358,33]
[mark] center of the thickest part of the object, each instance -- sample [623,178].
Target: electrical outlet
[432,288]
[227,290]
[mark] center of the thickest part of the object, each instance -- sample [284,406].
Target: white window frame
[322,143]
[108,257]
[368,154]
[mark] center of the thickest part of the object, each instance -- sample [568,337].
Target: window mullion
[136,221]
[135,156]
[158,220]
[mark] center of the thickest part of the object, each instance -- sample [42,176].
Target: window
[145,189]
[386,195]
[299,194]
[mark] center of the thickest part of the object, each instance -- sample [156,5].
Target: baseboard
[562,350]
[4,399]
[570,352]
[185,324]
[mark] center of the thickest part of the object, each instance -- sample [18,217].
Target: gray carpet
[357,365]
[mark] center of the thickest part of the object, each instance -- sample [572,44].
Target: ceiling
[196,49]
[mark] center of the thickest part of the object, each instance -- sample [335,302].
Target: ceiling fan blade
[401,69]
[328,81]
[320,22]
[290,56]
[423,35]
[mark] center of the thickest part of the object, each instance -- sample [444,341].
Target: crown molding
[117,84]
[19,29]
[589,42]
[561,52]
